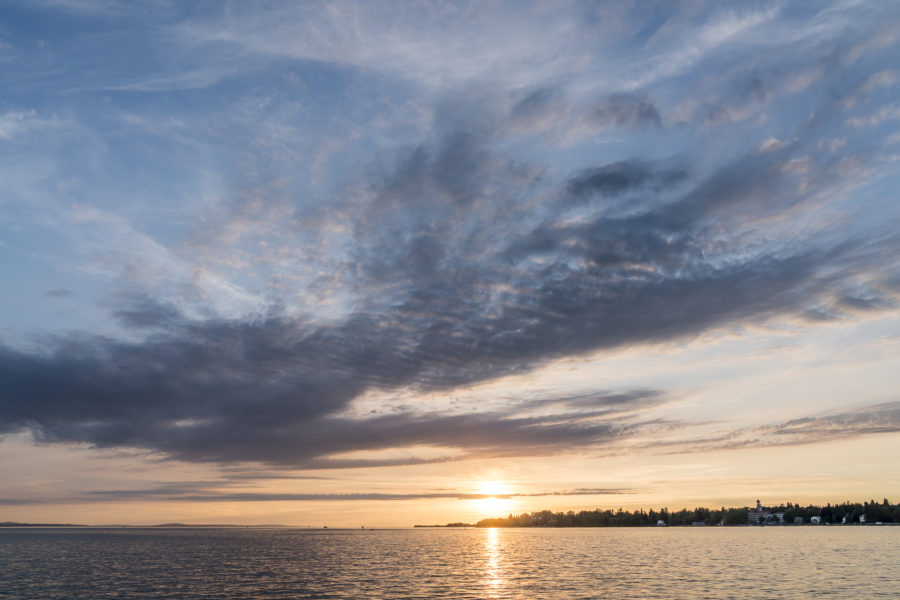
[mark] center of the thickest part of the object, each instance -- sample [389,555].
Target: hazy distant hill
[12,524]
[173,525]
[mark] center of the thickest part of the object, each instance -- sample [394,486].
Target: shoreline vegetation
[869,513]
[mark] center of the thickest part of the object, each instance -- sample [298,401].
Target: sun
[495,501]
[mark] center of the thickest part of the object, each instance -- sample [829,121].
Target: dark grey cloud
[747,91]
[621,177]
[250,496]
[270,390]
[239,474]
[262,392]
[212,491]
[537,110]
[877,418]
[752,87]
[820,314]
[625,400]
[629,110]
[535,103]
[866,300]
[466,265]
[610,404]
[145,312]
[26,501]
[206,492]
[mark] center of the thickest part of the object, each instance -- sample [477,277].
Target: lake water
[715,562]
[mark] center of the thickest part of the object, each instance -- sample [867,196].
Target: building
[815,520]
[758,516]
[798,520]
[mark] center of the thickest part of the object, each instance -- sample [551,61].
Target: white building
[758,516]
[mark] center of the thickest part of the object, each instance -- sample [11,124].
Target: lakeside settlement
[845,513]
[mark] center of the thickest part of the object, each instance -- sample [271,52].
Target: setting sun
[496,501]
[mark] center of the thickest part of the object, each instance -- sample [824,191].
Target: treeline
[884,512]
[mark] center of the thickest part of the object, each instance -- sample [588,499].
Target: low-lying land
[790,514]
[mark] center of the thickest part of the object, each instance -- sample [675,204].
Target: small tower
[758,506]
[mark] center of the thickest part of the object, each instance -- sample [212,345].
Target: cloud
[230,491]
[460,257]
[633,111]
[540,110]
[196,79]
[885,113]
[884,78]
[876,418]
[206,492]
[866,302]
[871,419]
[611,402]
[623,176]
[747,94]
[434,45]
[178,404]
[457,288]
[213,496]
[146,312]
[60,293]
[16,125]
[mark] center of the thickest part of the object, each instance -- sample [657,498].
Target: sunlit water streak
[716,562]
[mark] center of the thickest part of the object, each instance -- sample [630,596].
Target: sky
[383,264]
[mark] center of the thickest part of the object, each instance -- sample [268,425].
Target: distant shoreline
[11,524]
[159,526]
[691,526]
[788,514]
[373,529]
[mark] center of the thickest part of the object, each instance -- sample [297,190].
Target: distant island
[12,524]
[871,512]
[161,526]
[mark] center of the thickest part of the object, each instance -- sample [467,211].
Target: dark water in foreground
[715,562]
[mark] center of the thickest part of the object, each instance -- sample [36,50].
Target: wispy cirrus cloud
[168,494]
[500,234]
[351,496]
[874,419]
[442,319]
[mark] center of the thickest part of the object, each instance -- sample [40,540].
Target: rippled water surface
[743,562]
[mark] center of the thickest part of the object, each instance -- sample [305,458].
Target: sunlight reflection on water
[493,573]
[673,563]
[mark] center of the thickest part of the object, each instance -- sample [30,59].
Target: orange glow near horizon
[497,503]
